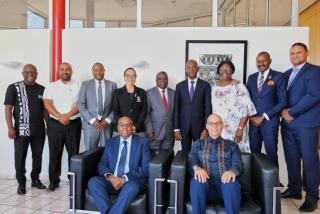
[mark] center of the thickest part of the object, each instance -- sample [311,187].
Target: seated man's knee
[232,186]
[93,182]
[132,187]
[197,185]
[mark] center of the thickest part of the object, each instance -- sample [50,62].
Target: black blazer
[135,107]
[192,113]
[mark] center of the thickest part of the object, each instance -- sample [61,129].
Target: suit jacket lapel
[185,89]
[92,87]
[265,86]
[170,98]
[198,86]
[106,90]
[158,97]
[116,150]
[299,74]
[133,150]
[254,82]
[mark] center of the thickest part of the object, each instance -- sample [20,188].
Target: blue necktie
[122,161]
[191,89]
[292,77]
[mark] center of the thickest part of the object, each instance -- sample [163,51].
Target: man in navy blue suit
[192,106]
[299,128]
[123,170]
[268,93]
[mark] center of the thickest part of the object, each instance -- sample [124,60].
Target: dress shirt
[103,87]
[165,93]
[126,168]
[64,96]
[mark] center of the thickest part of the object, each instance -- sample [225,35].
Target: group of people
[214,124]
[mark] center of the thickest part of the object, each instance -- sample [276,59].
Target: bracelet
[239,127]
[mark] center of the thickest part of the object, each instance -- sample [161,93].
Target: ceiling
[154,11]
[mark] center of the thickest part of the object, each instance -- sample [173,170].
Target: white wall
[25,46]
[159,49]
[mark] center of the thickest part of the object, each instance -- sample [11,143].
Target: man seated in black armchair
[215,164]
[123,170]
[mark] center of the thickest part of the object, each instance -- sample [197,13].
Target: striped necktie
[261,80]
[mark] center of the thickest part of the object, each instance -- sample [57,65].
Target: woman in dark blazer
[131,101]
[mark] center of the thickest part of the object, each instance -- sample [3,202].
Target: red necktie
[164,101]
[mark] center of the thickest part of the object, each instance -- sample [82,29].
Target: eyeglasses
[219,123]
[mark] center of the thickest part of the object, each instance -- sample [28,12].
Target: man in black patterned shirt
[23,102]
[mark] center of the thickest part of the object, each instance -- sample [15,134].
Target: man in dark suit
[268,93]
[192,106]
[123,170]
[159,122]
[299,128]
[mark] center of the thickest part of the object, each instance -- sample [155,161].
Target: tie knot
[163,91]
[192,82]
[124,142]
[100,82]
[295,70]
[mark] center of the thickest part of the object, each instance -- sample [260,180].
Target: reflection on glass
[104,13]
[76,23]
[35,20]
[173,13]
[21,14]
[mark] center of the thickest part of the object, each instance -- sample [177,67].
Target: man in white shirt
[95,107]
[64,127]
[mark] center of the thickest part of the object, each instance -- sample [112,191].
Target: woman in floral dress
[231,100]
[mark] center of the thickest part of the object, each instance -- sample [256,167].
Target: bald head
[29,73]
[65,71]
[214,125]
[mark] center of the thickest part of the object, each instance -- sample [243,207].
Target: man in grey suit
[159,122]
[95,107]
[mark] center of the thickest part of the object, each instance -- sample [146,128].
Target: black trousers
[21,145]
[59,136]
[187,139]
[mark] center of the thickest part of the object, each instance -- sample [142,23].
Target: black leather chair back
[245,178]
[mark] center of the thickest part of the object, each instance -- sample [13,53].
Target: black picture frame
[209,53]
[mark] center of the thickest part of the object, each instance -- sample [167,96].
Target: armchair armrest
[159,168]
[178,173]
[84,165]
[265,177]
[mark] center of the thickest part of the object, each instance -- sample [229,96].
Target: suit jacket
[158,120]
[87,101]
[272,97]
[138,163]
[193,112]
[304,97]
[136,109]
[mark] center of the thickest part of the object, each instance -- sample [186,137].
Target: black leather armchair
[83,166]
[258,180]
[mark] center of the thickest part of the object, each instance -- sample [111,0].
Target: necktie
[100,100]
[292,77]
[122,161]
[164,101]
[191,89]
[261,80]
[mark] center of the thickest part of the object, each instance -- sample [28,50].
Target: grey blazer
[87,102]
[159,121]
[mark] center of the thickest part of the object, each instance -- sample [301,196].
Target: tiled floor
[43,202]
[35,201]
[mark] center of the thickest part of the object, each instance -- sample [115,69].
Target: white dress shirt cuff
[108,120]
[92,120]
[266,116]
[126,178]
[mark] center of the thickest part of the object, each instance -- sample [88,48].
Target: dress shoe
[308,206]
[21,189]
[52,187]
[37,183]
[289,194]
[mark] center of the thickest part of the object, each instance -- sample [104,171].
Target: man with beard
[95,107]
[23,102]
[64,126]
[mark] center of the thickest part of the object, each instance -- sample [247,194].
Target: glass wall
[176,13]
[21,14]
[103,13]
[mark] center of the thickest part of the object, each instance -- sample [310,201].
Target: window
[34,20]
[103,13]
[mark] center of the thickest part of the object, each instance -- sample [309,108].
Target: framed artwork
[209,54]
